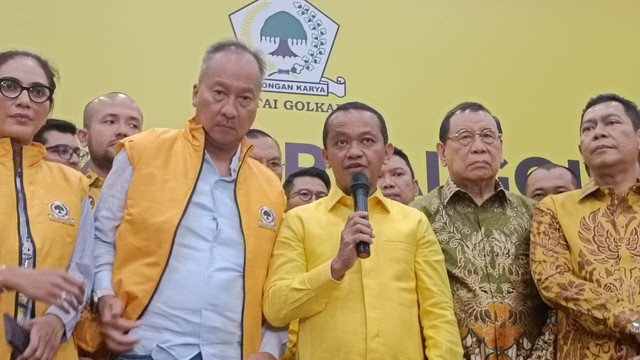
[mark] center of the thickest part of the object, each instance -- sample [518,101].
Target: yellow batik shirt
[585,259]
[385,304]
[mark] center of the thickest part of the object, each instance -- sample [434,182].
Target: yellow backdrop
[533,63]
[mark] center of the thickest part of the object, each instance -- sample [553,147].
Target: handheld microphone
[359,189]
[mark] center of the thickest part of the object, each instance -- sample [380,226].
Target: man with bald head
[107,119]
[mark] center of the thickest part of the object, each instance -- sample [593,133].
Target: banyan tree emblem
[296,39]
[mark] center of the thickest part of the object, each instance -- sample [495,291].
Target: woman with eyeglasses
[46,237]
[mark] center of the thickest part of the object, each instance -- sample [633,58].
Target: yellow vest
[166,164]
[54,236]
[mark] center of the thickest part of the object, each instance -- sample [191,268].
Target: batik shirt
[486,247]
[585,259]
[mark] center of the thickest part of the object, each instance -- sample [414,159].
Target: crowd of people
[186,244]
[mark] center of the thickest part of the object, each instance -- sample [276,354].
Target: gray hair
[230,45]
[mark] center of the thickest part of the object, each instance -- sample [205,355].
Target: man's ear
[327,164]
[83,137]
[441,154]
[416,187]
[194,95]
[388,152]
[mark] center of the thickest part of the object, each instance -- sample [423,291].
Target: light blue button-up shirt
[197,307]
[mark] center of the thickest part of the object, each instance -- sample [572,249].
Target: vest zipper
[173,240]
[244,270]
[27,250]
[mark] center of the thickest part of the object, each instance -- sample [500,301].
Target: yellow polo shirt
[95,187]
[384,305]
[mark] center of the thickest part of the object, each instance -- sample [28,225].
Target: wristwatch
[635,327]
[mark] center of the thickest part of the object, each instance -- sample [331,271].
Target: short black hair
[462,107]
[58,125]
[310,171]
[257,133]
[630,108]
[355,105]
[551,166]
[401,154]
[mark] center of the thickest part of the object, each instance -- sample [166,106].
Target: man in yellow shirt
[585,244]
[349,308]
[107,119]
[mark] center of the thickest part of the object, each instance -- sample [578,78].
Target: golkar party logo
[296,38]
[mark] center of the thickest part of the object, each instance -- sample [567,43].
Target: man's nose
[124,130]
[229,108]
[387,183]
[354,151]
[74,161]
[600,131]
[477,145]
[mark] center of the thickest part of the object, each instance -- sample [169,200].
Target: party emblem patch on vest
[60,213]
[267,218]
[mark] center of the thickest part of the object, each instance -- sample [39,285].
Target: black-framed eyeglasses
[66,152]
[11,89]
[307,195]
[465,137]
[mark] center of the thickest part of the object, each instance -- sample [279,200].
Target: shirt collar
[592,188]
[589,188]
[234,166]
[451,188]
[235,162]
[336,196]
[194,133]
[94,179]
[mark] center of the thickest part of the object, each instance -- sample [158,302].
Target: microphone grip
[361,204]
[363,250]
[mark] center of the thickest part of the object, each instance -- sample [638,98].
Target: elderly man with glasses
[484,230]
[59,138]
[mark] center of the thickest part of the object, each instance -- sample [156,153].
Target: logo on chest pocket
[267,218]
[60,213]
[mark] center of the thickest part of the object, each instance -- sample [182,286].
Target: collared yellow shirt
[384,304]
[585,260]
[95,187]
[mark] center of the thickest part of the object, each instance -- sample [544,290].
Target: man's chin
[106,157]
[481,174]
[605,162]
